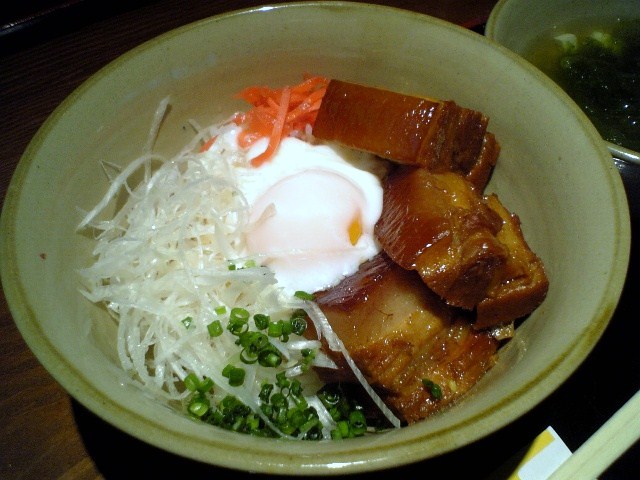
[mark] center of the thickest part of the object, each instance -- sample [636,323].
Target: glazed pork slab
[420,320]
[405,339]
[438,135]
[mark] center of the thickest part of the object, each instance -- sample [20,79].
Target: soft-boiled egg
[313,209]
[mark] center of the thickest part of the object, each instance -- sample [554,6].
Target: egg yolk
[306,228]
[355,230]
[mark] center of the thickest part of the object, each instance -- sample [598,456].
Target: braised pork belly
[439,226]
[423,320]
[419,353]
[438,135]
[523,283]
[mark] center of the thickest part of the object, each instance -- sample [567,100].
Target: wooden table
[44,433]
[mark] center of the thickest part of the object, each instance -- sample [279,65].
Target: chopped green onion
[330,398]
[295,390]
[238,313]
[303,295]
[341,430]
[256,347]
[199,405]
[234,374]
[253,340]
[284,406]
[187,321]
[357,423]
[280,329]
[221,310]
[282,381]
[287,329]
[270,357]
[205,385]
[265,392]
[434,388]
[278,400]
[308,356]
[237,377]
[252,422]
[261,321]
[248,264]
[192,382]
[309,424]
[215,328]
[274,329]
[298,324]
[238,321]
[248,357]
[348,415]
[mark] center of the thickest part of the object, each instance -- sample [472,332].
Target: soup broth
[598,64]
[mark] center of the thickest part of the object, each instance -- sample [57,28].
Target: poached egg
[313,209]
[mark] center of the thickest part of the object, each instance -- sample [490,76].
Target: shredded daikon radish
[172,260]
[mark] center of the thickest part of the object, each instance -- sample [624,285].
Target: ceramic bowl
[516,24]
[554,171]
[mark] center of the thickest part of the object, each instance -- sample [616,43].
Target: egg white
[302,203]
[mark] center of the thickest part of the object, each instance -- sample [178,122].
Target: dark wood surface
[47,49]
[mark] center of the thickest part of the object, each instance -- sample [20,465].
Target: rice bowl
[537,158]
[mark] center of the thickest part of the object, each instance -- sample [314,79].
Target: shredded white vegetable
[163,257]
